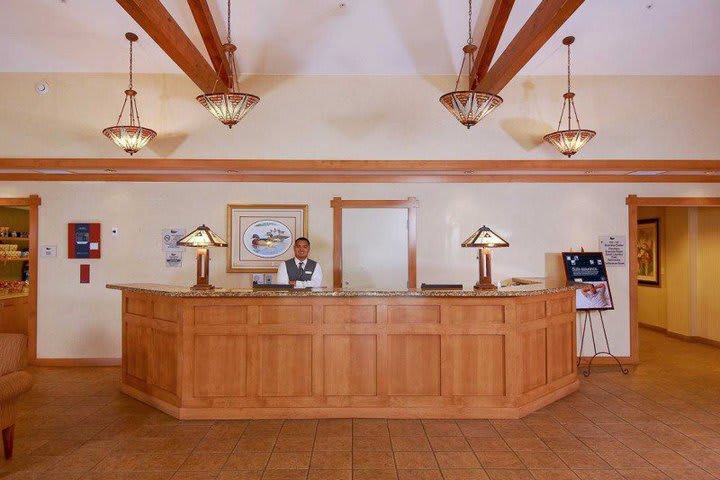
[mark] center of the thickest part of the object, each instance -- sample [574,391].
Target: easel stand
[588,320]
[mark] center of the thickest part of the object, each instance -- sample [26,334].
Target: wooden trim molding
[77,362]
[211,38]
[33,201]
[633,202]
[411,204]
[680,336]
[491,37]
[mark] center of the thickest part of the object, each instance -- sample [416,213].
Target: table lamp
[485,239]
[202,238]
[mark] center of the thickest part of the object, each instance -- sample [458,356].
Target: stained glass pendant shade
[228,106]
[131,137]
[485,238]
[569,141]
[469,106]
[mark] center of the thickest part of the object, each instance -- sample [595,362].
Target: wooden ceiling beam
[491,37]
[211,38]
[404,166]
[157,22]
[547,18]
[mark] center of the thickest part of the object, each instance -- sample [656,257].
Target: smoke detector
[42,88]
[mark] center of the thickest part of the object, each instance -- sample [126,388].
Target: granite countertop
[529,287]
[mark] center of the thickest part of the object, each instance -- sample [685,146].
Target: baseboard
[76,362]
[680,336]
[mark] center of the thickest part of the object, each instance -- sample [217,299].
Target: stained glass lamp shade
[485,239]
[569,141]
[131,137]
[202,238]
[228,106]
[469,106]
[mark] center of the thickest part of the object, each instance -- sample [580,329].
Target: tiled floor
[660,422]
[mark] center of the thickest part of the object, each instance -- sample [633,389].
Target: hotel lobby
[352,240]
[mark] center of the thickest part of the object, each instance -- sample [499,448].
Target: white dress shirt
[314,282]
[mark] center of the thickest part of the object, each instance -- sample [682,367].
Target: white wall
[338,118]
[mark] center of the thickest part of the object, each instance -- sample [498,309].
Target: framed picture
[262,236]
[589,268]
[648,251]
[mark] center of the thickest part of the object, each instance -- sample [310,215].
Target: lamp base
[485,286]
[202,287]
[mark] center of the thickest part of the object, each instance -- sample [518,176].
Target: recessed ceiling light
[469,172]
[42,88]
[110,170]
[589,172]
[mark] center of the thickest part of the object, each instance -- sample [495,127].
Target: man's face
[302,249]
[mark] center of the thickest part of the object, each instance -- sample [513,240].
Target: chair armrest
[14,384]
[13,352]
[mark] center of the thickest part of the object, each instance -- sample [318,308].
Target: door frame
[33,201]
[338,204]
[633,202]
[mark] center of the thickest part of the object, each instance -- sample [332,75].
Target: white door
[375,248]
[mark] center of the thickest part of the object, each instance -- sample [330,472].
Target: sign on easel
[589,268]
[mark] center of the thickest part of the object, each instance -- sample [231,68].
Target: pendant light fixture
[229,107]
[132,136]
[469,106]
[571,140]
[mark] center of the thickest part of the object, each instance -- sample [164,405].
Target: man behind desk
[300,271]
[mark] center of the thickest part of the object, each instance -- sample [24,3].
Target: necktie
[302,271]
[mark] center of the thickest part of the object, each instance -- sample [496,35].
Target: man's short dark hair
[302,238]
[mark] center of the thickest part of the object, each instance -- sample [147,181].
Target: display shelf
[15,239]
[19,259]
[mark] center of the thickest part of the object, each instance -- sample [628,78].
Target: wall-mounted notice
[170,237]
[173,259]
[613,248]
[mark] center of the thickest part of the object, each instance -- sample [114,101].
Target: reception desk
[232,354]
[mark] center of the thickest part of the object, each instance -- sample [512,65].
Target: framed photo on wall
[262,236]
[648,251]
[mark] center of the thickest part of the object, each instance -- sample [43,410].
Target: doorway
[674,246]
[374,243]
[18,268]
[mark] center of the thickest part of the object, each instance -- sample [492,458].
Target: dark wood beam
[547,18]
[157,22]
[211,38]
[493,31]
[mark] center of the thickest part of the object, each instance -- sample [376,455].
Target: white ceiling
[365,37]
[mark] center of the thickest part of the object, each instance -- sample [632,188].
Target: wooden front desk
[231,354]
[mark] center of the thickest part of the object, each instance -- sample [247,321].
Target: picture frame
[648,252]
[589,268]
[260,237]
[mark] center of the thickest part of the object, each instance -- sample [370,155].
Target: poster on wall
[613,249]
[589,268]
[648,252]
[262,236]
[173,259]
[83,240]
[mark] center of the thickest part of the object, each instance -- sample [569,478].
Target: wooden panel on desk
[164,360]
[165,309]
[137,305]
[534,359]
[349,314]
[413,314]
[477,364]
[139,339]
[221,315]
[14,315]
[350,364]
[220,366]
[285,365]
[558,306]
[476,314]
[414,364]
[284,314]
[527,312]
[559,348]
